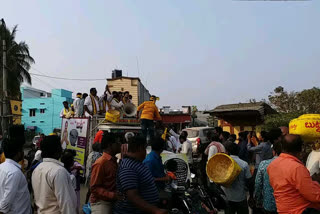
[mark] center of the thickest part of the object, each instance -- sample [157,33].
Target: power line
[44,82]
[43,73]
[61,78]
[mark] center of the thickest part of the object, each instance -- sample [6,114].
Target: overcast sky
[197,52]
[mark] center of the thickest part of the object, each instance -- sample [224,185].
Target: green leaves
[306,101]
[18,61]
[278,120]
[291,105]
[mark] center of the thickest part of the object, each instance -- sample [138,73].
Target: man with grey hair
[124,147]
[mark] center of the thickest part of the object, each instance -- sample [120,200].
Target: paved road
[83,194]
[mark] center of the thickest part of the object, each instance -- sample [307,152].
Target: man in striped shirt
[136,182]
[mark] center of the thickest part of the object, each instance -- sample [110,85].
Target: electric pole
[4,121]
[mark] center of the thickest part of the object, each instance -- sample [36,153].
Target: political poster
[74,136]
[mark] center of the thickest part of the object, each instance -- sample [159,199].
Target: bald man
[284,130]
[294,190]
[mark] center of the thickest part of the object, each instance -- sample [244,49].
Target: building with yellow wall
[235,118]
[16,111]
[133,85]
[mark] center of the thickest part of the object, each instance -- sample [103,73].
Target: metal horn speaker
[129,109]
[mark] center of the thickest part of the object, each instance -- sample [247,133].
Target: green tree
[18,61]
[291,105]
[304,102]
[308,100]
[277,120]
[283,101]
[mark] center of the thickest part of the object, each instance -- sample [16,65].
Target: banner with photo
[74,136]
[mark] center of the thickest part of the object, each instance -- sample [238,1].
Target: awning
[176,118]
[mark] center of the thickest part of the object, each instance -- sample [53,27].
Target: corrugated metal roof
[261,107]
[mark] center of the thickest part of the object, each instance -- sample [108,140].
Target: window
[33,121]
[42,111]
[41,121]
[206,131]
[42,103]
[192,133]
[32,112]
[134,82]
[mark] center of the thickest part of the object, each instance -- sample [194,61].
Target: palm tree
[18,61]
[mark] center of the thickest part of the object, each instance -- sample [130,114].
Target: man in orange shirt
[103,177]
[294,190]
[149,113]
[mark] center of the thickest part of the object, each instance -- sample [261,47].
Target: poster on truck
[74,136]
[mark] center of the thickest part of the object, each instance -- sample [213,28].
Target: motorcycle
[177,202]
[212,194]
[189,197]
[201,200]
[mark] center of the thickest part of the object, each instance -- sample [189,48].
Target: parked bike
[189,197]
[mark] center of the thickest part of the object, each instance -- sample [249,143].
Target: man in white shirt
[176,136]
[186,148]
[51,182]
[14,193]
[81,105]
[214,147]
[116,103]
[91,104]
[76,105]
[175,144]
[313,161]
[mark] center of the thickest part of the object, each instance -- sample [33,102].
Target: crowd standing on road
[279,183]
[123,178]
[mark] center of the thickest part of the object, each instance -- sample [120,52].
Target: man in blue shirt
[236,193]
[263,151]
[154,162]
[136,183]
[243,153]
[263,193]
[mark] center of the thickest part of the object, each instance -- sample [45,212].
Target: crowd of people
[273,172]
[85,105]
[123,178]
